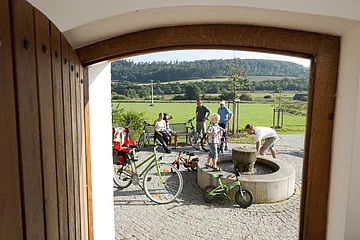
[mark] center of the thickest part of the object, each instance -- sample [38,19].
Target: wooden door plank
[46,108]
[74,141]
[87,153]
[59,132]
[82,166]
[10,198]
[28,118]
[68,136]
[78,135]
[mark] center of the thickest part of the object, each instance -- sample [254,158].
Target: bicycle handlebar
[146,123]
[190,120]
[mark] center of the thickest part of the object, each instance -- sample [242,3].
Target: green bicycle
[161,182]
[243,197]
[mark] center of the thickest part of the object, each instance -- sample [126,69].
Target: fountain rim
[283,171]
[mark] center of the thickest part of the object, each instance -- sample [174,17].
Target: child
[214,133]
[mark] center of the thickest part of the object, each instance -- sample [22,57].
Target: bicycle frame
[151,159]
[225,187]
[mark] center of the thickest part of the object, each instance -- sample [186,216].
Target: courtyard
[189,217]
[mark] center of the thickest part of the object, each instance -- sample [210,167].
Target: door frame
[323,50]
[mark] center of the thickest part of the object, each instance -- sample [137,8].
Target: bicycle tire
[205,194]
[245,201]
[204,144]
[141,142]
[163,192]
[122,175]
[194,167]
[193,139]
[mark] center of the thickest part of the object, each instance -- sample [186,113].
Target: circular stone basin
[266,188]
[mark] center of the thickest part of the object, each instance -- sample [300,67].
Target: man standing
[201,111]
[263,132]
[225,116]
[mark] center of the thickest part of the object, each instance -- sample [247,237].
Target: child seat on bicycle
[121,144]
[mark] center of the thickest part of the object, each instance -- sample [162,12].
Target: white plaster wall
[81,12]
[344,215]
[101,154]
[186,15]
[352,229]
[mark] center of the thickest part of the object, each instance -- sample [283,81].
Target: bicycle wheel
[122,175]
[204,144]
[205,194]
[166,188]
[194,164]
[246,199]
[194,139]
[141,143]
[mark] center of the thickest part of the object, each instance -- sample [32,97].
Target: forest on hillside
[193,90]
[143,72]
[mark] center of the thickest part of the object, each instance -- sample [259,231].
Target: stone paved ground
[136,217]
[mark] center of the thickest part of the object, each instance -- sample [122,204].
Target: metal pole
[238,115]
[274,117]
[233,130]
[152,92]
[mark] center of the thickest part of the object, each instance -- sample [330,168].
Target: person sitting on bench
[170,132]
[160,132]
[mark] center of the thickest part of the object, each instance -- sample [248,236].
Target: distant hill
[124,70]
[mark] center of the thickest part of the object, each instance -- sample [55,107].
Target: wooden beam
[221,36]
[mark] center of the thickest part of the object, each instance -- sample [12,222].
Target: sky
[191,55]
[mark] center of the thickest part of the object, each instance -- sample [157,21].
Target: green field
[257,114]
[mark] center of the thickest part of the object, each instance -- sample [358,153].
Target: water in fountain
[259,169]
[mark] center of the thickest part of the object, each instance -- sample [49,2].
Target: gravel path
[136,217]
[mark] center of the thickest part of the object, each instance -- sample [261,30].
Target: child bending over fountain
[214,133]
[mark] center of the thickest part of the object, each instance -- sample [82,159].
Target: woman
[170,132]
[160,132]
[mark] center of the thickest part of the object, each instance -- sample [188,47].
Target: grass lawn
[257,114]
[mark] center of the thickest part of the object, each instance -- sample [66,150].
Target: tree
[237,77]
[131,93]
[192,92]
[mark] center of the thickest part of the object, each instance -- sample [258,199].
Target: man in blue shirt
[225,116]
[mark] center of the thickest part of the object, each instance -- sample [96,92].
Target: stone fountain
[275,183]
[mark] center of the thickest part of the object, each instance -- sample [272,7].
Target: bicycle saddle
[217,176]
[131,146]
[190,154]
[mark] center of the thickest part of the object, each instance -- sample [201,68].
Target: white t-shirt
[160,125]
[264,132]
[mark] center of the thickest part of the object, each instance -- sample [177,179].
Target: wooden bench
[180,128]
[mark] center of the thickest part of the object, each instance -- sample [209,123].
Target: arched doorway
[323,50]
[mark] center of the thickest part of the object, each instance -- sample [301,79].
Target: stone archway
[323,50]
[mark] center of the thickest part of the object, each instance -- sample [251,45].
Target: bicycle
[243,197]
[188,162]
[195,139]
[162,182]
[144,136]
